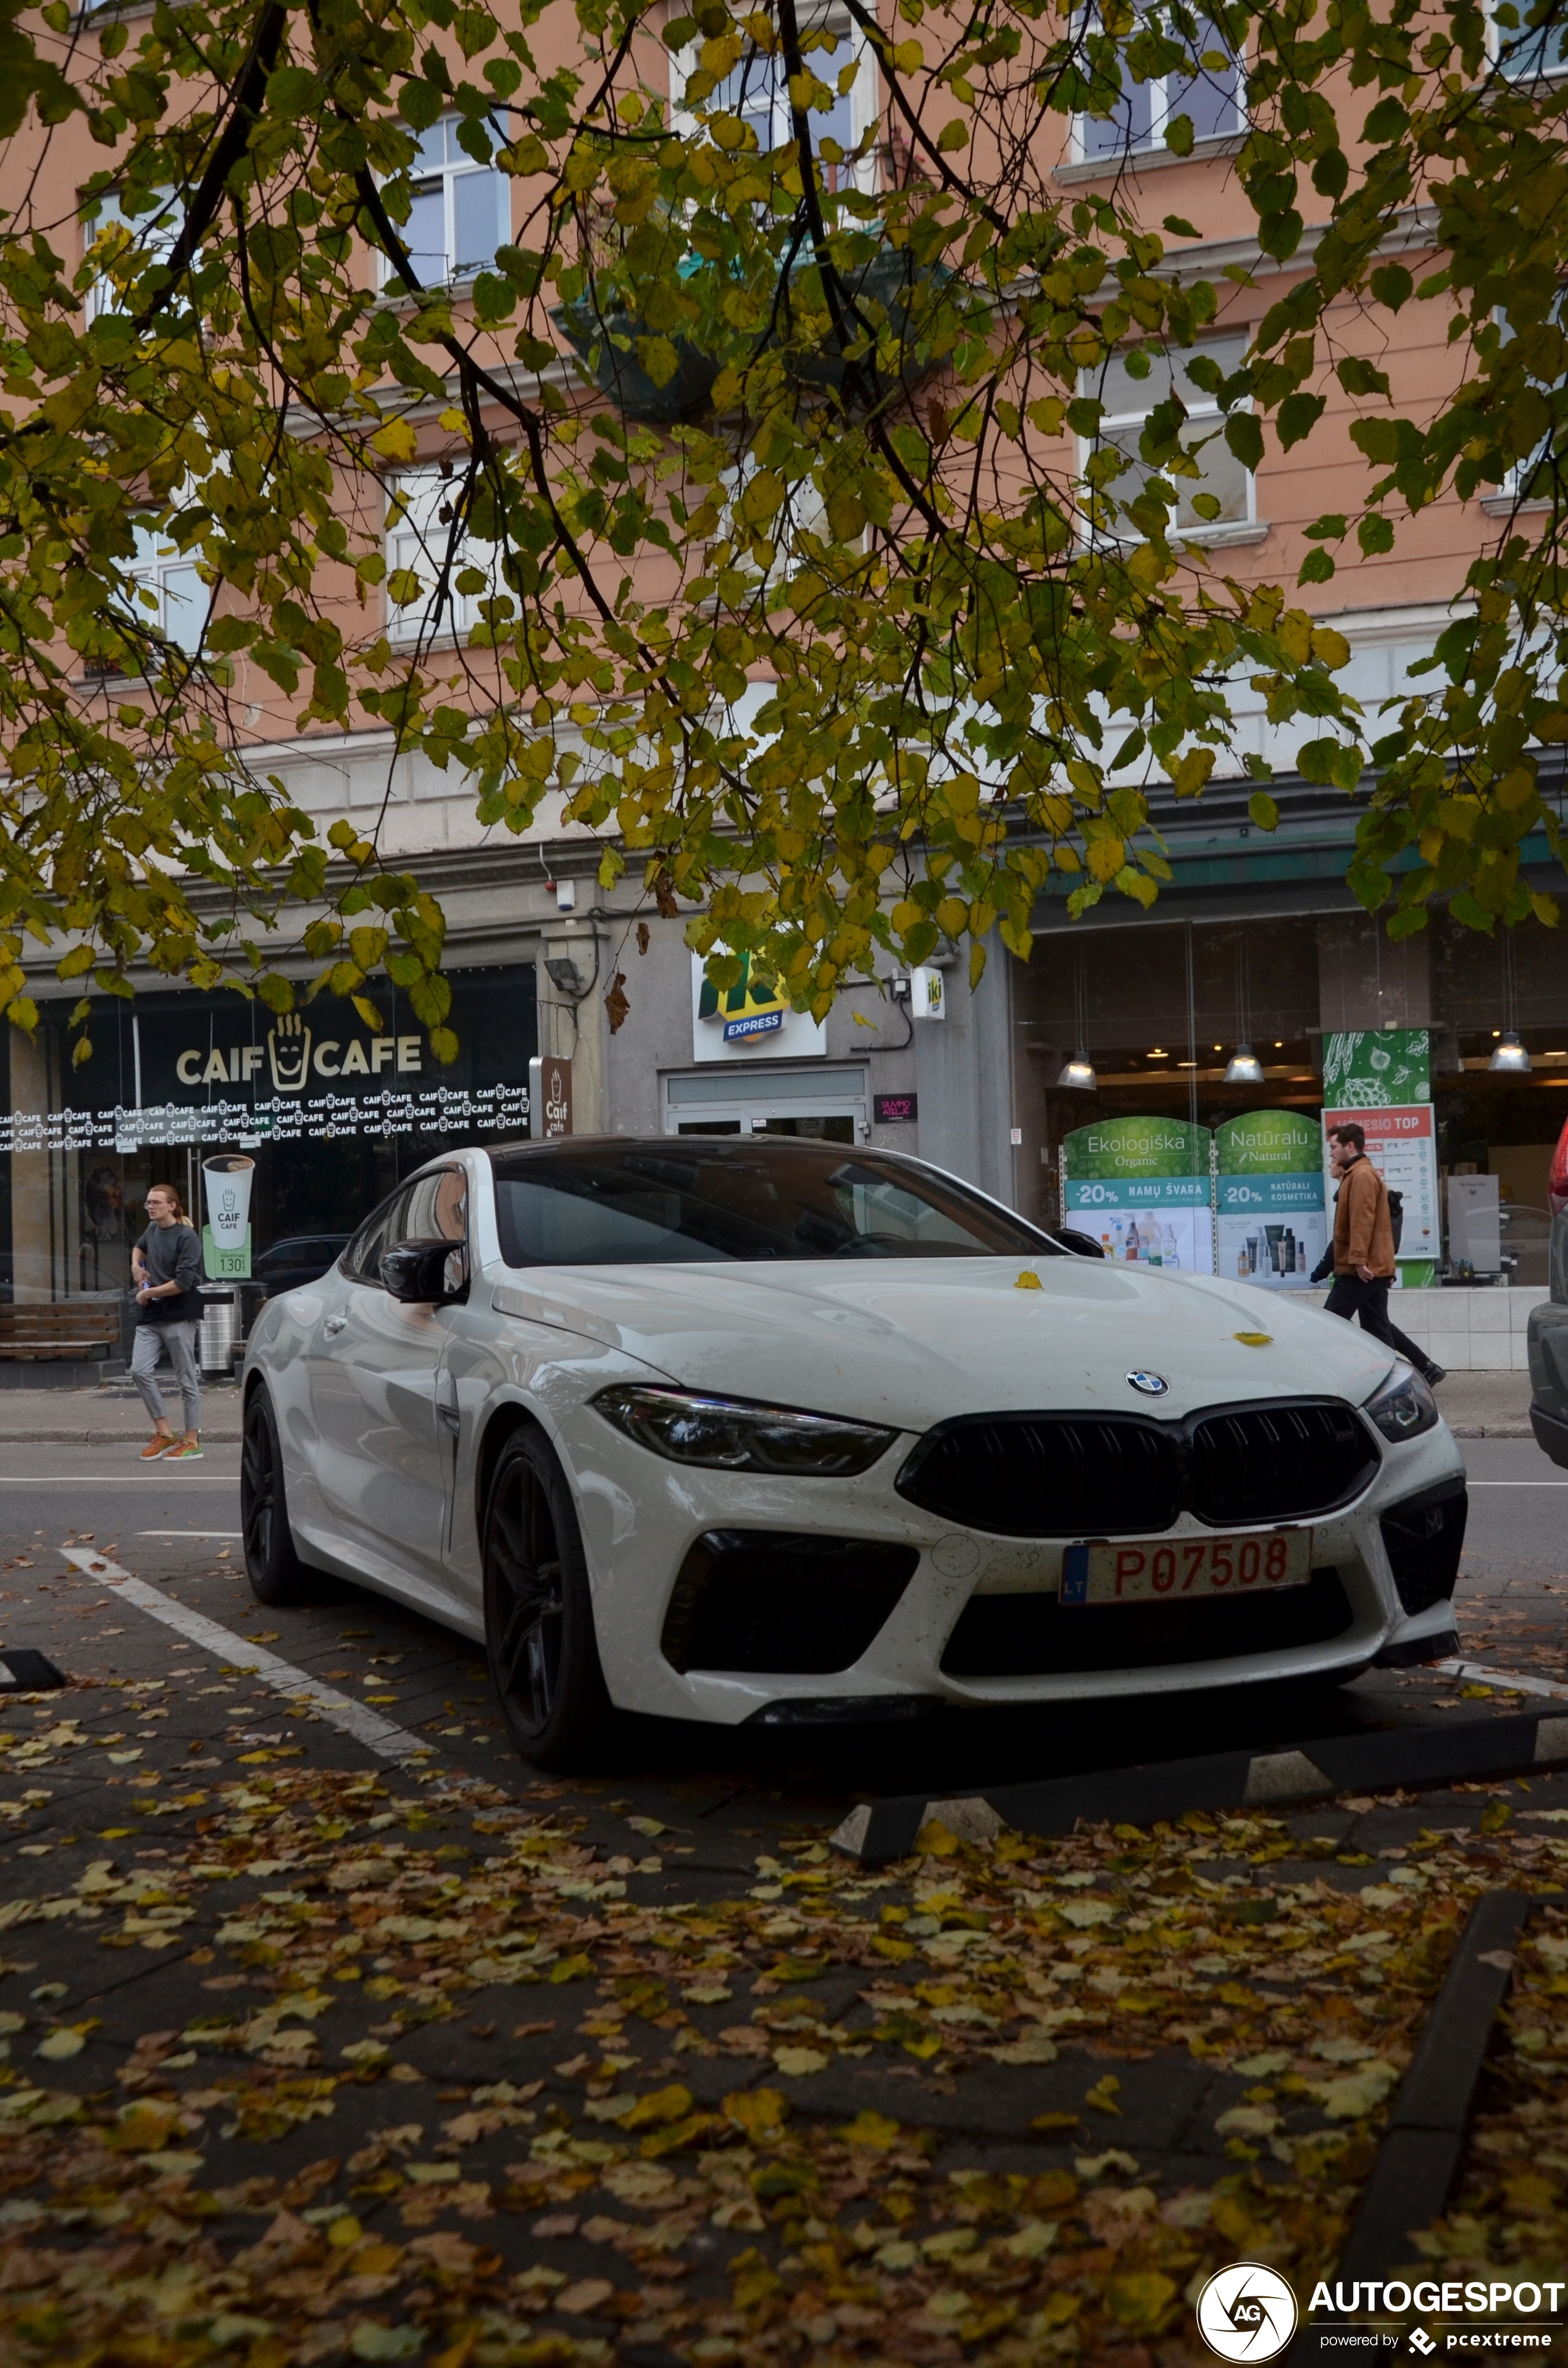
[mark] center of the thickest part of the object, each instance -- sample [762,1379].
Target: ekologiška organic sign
[1141,1186]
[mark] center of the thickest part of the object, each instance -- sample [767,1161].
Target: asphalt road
[177,1528]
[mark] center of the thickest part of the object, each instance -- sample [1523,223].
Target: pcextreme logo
[1246,2312]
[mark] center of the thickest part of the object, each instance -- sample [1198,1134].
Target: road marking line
[1518,1483]
[1504,1678]
[382,1736]
[190,1533]
[111,1479]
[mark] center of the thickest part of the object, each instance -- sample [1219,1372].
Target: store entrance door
[822,1104]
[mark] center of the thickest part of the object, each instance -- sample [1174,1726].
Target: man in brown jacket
[1363,1248]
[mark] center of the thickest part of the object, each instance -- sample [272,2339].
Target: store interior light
[1078,1073]
[1243,1068]
[1510,1056]
[1158,1055]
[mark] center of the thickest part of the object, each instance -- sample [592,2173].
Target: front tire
[539,1613]
[277,1573]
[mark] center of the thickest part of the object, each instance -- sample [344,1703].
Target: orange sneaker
[159,1444]
[186,1452]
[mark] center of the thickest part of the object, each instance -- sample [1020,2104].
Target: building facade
[1257,940]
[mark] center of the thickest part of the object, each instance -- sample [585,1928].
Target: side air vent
[766,1600]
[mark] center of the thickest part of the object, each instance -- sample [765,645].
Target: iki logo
[1422,2343]
[1246,2312]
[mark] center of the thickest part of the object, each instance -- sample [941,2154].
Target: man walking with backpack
[1363,1249]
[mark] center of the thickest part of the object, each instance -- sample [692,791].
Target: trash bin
[217,1332]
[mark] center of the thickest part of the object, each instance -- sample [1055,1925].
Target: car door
[385,1457]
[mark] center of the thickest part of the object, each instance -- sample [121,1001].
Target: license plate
[1169,1570]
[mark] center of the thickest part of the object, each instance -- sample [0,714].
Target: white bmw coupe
[758,1429]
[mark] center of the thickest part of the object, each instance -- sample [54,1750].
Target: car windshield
[664,1201]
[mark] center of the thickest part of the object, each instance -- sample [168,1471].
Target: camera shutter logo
[1246,2312]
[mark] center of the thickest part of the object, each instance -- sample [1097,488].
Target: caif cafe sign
[293,1053]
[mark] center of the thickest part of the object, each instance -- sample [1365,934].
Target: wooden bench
[46,1330]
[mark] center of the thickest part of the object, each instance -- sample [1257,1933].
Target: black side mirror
[425,1274]
[1084,1245]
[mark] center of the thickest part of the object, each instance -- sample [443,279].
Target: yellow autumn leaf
[395,441]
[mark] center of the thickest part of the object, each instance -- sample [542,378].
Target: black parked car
[1549,1350]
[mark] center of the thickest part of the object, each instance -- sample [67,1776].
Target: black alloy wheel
[273,1564]
[539,1615]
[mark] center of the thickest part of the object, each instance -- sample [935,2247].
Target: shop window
[1212,102]
[437,573]
[460,210]
[1221,497]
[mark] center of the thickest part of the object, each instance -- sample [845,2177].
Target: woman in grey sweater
[165,1268]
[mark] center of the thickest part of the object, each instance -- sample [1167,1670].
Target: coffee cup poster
[1141,1188]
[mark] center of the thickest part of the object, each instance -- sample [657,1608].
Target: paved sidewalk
[112,1411]
[1478,1406]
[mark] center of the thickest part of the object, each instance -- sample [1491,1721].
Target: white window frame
[1202,407]
[181,618]
[457,166]
[1163,111]
[1514,493]
[865,93]
[416,537]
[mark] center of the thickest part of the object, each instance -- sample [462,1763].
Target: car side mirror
[425,1274]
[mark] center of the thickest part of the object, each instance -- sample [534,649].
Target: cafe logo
[288,1054]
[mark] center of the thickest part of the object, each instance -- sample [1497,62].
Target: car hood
[911,1343]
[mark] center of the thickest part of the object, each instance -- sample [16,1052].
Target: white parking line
[379,1735]
[1504,1678]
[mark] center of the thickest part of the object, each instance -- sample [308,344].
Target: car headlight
[1402,1406]
[736,1435]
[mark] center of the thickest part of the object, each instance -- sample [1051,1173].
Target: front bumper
[642,1518]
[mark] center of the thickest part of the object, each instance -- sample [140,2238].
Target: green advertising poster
[1383,1078]
[1375,1068]
[1141,1187]
[1271,1227]
[227,1264]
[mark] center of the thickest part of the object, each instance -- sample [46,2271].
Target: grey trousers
[180,1341]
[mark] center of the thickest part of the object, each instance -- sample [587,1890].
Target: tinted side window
[436,1208]
[362,1258]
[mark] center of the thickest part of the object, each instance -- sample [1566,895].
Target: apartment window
[1212,100]
[757,91]
[459,212]
[1537,478]
[1527,52]
[153,233]
[170,594]
[1220,496]
[424,539]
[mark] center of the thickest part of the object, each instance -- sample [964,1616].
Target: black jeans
[1351,1297]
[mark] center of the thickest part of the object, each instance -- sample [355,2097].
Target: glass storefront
[1160,1007]
[327,1110]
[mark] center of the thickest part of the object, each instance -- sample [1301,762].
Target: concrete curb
[1423,2142]
[213,1434]
[877,1830]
